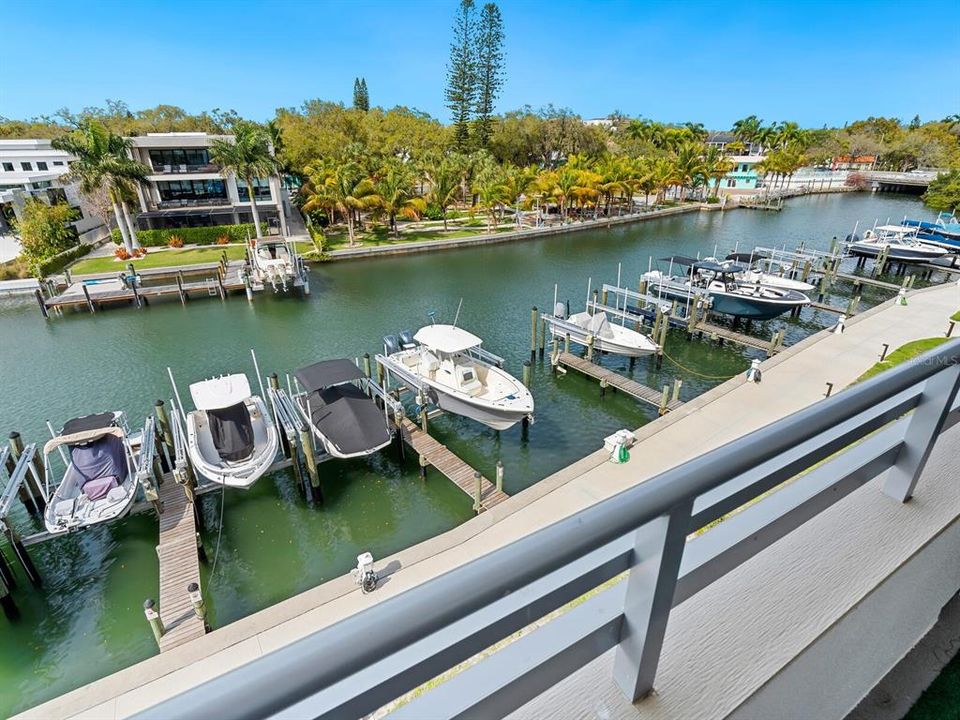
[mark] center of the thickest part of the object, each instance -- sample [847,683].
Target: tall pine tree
[461,92]
[490,69]
[361,100]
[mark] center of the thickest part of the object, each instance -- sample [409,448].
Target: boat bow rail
[884,426]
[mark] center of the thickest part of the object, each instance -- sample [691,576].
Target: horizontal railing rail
[358,665]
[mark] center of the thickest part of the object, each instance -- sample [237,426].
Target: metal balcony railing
[886,425]
[175,169]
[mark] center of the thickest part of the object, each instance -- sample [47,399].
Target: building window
[8,167]
[261,189]
[41,165]
[58,163]
[191,158]
[192,190]
[731,183]
[26,166]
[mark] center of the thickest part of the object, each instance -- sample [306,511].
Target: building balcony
[188,203]
[181,169]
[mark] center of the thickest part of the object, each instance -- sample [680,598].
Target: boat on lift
[274,261]
[762,270]
[456,374]
[334,401]
[944,231]
[608,337]
[231,436]
[99,483]
[902,245]
[718,284]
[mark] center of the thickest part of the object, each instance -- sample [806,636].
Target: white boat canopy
[446,338]
[81,437]
[897,229]
[221,392]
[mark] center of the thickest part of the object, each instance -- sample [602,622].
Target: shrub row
[60,261]
[193,235]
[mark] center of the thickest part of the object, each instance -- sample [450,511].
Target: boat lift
[293,271]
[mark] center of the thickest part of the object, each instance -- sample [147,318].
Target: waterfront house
[33,169]
[186,189]
[853,162]
[721,139]
[744,176]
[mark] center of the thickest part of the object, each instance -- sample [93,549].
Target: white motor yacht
[762,270]
[902,245]
[448,362]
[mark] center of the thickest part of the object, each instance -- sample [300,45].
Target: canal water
[88,619]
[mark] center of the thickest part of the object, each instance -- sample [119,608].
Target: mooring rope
[694,372]
[216,552]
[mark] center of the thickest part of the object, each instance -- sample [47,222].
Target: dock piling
[20,552]
[590,348]
[311,462]
[153,617]
[163,425]
[422,460]
[196,599]
[664,398]
[677,384]
[543,335]
[499,476]
[366,364]
[478,498]
[533,332]
[526,381]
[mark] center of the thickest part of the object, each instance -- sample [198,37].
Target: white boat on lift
[100,480]
[765,271]
[901,243]
[274,261]
[452,370]
[608,337]
[231,436]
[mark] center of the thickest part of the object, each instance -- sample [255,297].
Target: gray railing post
[939,392]
[651,585]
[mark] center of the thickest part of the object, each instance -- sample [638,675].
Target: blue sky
[813,61]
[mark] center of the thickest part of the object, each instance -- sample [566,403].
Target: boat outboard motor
[560,311]
[406,340]
[391,344]
[851,238]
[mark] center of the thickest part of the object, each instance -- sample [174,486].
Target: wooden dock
[451,466]
[728,335]
[829,308]
[865,280]
[218,279]
[615,380]
[179,566]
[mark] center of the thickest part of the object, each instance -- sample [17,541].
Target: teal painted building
[744,175]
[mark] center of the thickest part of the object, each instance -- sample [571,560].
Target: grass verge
[156,259]
[901,355]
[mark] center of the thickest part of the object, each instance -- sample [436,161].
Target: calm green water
[88,621]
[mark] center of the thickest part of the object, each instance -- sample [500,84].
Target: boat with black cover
[335,402]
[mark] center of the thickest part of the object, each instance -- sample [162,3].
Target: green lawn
[159,258]
[901,355]
[379,236]
[956,316]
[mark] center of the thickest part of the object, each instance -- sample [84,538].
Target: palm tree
[748,129]
[516,181]
[716,166]
[102,162]
[444,177]
[491,193]
[394,194]
[689,165]
[247,156]
[342,188]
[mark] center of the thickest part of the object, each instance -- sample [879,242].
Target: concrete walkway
[791,381]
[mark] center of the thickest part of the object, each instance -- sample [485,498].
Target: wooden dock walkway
[615,380]
[865,280]
[179,566]
[217,282]
[733,336]
[451,466]
[829,308]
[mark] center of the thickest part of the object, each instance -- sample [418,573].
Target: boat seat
[468,382]
[65,508]
[116,494]
[429,363]
[100,487]
[411,360]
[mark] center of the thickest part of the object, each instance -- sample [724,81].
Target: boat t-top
[609,337]
[100,480]
[762,270]
[231,437]
[902,244]
[341,415]
[458,376]
[718,283]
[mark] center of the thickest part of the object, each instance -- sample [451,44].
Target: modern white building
[33,169]
[186,189]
